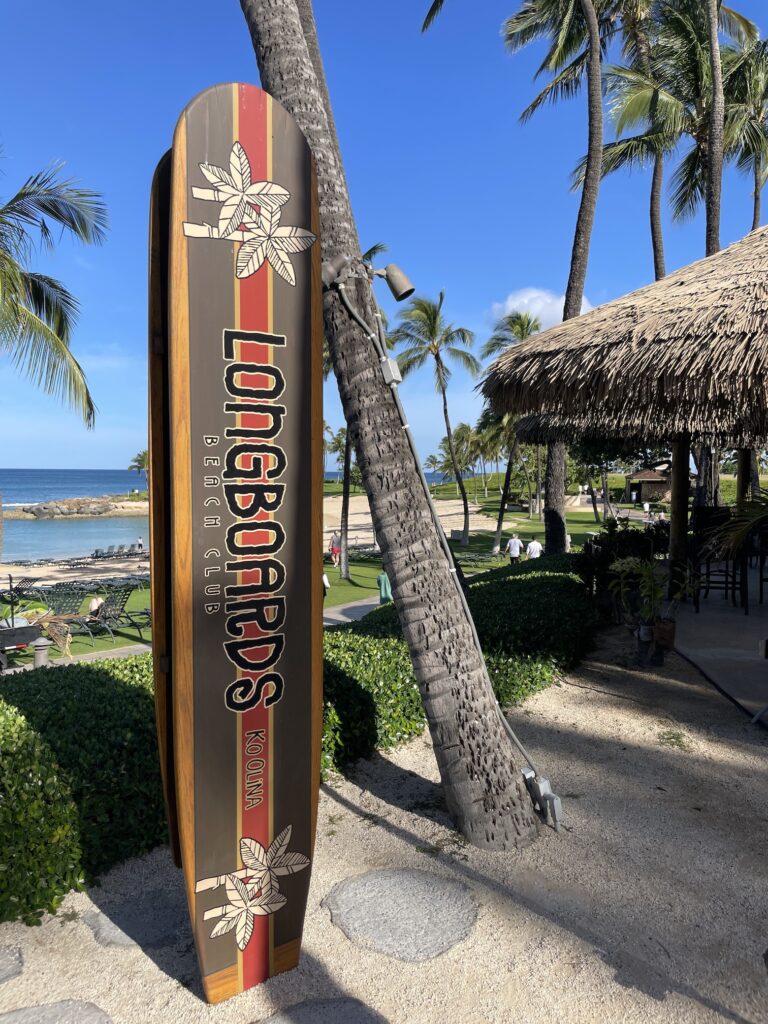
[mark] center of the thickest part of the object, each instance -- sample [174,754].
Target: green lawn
[125,636]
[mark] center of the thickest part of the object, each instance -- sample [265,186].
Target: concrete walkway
[350,612]
[727,645]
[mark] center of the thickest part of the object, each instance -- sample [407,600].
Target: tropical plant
[478,764]
[140,463]
[509,330]
[37,313]
[427,336]
[745,69]
[672,99]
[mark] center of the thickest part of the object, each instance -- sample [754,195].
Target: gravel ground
[649,906]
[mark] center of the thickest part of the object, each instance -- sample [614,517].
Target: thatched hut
[683,356]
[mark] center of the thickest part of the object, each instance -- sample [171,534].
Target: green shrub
[98,720]
[515,678]
[538,609]
[536,614]
[39,834]
[571,563]
[370,696]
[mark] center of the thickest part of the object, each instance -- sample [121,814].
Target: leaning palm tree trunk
[345,486]
[657,231]
[554,514]
[483,786]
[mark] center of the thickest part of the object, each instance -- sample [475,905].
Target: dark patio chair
[65,601]
[140,619]
[23,589]
[112,614]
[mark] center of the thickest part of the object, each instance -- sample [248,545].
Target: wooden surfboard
[243,444]
[159,484]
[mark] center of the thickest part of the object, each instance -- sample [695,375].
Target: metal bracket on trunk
[547,803]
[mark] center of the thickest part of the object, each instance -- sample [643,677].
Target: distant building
[651,485]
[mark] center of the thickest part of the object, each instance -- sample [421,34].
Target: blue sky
[440,169]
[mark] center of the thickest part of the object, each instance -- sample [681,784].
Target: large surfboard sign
[244,520]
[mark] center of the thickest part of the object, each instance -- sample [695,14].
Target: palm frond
[40,353]
[435,8]
[688,185]
[564,86]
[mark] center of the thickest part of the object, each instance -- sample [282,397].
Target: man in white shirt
[514,549]
[534,549]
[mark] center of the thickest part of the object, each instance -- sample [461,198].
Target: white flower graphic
[250,213]
[253,891]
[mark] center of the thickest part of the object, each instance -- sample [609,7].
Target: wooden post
[743,475]
[678,530]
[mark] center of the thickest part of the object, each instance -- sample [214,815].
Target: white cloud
[539,302]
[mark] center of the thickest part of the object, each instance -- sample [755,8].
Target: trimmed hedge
[39,829]
[539,609]
[98,721]
[80,785]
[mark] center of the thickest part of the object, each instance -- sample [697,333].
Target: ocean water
[65,538]
[68,538]
[28,486]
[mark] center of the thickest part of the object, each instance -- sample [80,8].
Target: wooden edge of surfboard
[159,539]
[181,514]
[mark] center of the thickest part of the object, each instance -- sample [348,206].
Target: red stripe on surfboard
[254,316]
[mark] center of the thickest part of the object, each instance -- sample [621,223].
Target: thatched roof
[685,354]
[632,428]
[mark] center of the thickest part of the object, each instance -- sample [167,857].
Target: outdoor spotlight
[331,269]
[398,283]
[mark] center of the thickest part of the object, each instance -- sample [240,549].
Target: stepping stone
[105,931]
[11,962]
[404,913]
[322,1011]
[71,1011]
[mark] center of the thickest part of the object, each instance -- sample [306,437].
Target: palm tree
[140,463]
[672,102]
[746,128]
[341,446]
[432,465]
[509,330]
[478,764]
[427,336]
[37,313]
[327,439]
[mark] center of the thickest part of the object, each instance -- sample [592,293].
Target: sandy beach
[649,905]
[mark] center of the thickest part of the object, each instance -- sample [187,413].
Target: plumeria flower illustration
[250,214]
[266,240]
[246,902]
[274,861]
[252,891]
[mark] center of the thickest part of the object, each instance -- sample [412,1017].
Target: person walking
[514,549]
[335,548]
[385,590]
[534,549]
[140,544]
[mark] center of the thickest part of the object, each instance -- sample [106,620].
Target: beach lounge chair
[112,614]
[65,601]
[23,589]
[110,551]
[140,619]
[98,553]
[120,551]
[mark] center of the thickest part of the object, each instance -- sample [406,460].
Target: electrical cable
[380,348]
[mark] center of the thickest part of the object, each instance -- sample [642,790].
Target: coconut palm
[37,313]
[140,463]
[478,764]
[674,101]
[509,330]
[427,336]
[746,127]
